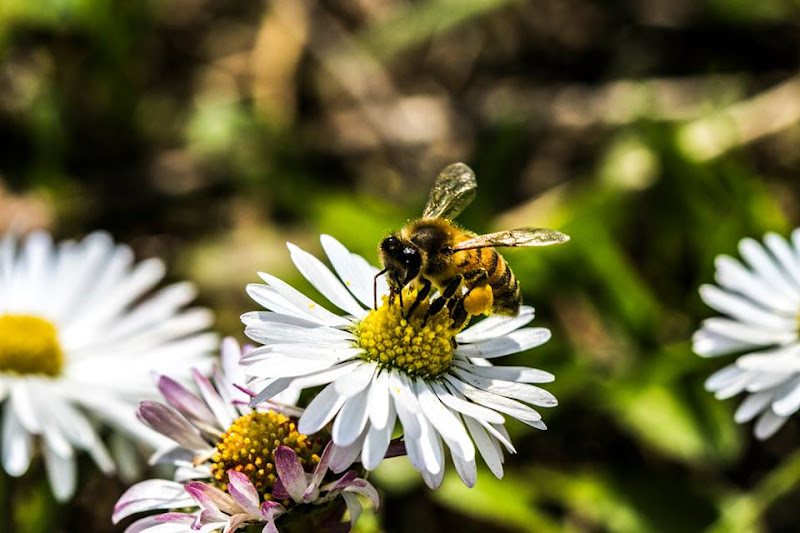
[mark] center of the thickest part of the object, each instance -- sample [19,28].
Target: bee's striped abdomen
[505,287]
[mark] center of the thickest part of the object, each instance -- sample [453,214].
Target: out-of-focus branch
[741,123]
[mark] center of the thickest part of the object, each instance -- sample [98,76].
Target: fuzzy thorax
[29,345]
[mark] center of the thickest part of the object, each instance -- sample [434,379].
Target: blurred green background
[657,133]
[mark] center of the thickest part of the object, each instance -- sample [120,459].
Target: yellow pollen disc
[417,346]
[249,445]
[29,345]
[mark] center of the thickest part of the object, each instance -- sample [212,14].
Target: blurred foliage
[655,133]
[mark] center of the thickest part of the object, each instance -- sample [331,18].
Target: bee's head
[401,259]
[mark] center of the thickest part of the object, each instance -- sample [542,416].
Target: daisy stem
[744,511]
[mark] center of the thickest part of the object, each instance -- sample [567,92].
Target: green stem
[744,511]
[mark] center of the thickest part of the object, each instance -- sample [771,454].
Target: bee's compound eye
[390,242]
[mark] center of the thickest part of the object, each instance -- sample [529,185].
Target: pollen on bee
[479,300]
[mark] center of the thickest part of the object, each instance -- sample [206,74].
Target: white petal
[430,445]
[356,273]
[61,472]
[787,400]
[763,264]
[321,410]
[467,470]
[491,454]
[734,387]
[732,275]
[783,252]
[743,309]
[351,420]
[406,404]
[752,406]
[321,378]
[77,429]
[356,381]
[472,410]
[17,444]
[709,344]
[304,305]
[518,374]
[782,360]
[520,391]
[344,456]
[518,410]
[496,326]
[324,281]
[379,400]
[151,495]
[768,424]
[281,366]
[723,377]
[748,334]
[445,422]
[377,441]
[516,341]
[266,333]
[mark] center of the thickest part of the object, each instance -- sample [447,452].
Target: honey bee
[470,275]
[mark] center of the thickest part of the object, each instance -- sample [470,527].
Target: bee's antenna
[375,288]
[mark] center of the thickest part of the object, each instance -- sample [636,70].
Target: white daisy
[761,299]
[78,340]
[203,507]
[380,367]
[234,463]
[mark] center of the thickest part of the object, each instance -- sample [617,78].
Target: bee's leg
[421,295]
[459,314]
[375,288]
[450,289]
[476,277]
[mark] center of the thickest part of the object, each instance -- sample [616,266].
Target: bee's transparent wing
[454,189]
[515,237]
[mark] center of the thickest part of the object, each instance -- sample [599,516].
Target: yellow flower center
[416,344]
[249,446]
[29,345]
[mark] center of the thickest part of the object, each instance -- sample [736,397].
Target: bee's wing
[453,191]
[515,237]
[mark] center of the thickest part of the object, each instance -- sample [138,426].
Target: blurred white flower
[761,301]
[79,338]
[391,363]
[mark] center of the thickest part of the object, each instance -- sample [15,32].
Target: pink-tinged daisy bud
[291,473]
[241,466]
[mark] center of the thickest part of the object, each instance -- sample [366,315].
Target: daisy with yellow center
[394,363]
[760,298]
[80,333]
[236,465]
